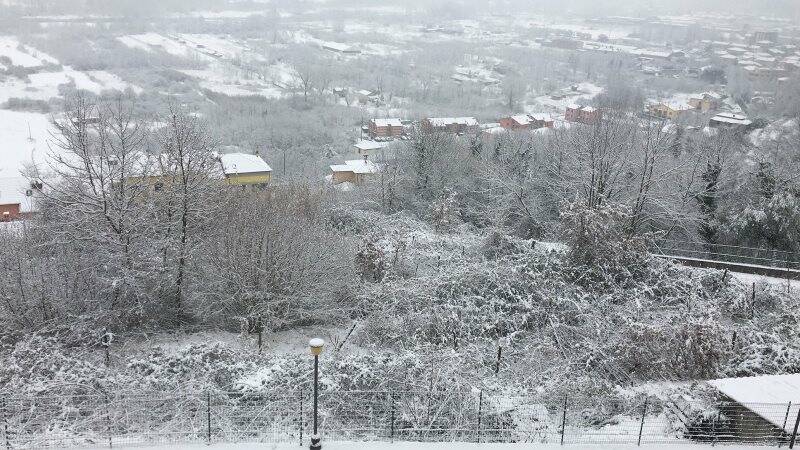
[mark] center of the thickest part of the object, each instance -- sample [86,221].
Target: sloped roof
[241,163]
[445,121]
[387,122]
[758,391]
[357,166]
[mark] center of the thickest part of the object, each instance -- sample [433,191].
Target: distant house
[455,125]
[337,47]
[707,101]
[371,148]
[518,122]
[243,169]
[365,96]
[354,171]
[729,120]
[668,110]
[583,114]
[17,197]
[542,120]
[382,128]
[527,122]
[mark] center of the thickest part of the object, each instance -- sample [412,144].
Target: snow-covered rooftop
[357,166]
[240,163]
[387,122]
[780,389]
[371,145]
[522,119]
[445,121]
[730,118]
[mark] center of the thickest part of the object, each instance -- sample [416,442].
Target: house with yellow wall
[668,110]
[243,169]
[354,171]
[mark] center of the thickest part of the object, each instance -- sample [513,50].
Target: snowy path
[440,446]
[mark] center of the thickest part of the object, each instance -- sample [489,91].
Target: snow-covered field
[21,55]
[586,91]
[45,85]
[25,138]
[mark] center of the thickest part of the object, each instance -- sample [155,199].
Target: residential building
[729,120]
[373,148]
[583,114]
[705,102]
[455,125]
[542,120]
[17,196]
[243,169]
[354,171]
[383,128]
[517,122]
[527,122]
[668,110]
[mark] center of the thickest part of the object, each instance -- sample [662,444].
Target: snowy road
[440,446]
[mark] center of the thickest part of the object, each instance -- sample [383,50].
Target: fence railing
[158,418]
[728,253]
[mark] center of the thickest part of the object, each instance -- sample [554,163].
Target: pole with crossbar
[5,424]
[564,420]
[794,433]
[641,426]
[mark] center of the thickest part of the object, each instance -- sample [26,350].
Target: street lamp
[316,345]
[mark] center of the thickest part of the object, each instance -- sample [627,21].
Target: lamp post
[316,349]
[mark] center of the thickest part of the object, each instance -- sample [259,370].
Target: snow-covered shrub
[371,262]
[600,247]
[498,245]
[198,366]
[445,213]
[684,348]
[764,359]
[38,365]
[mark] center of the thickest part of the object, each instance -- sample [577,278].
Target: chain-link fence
[777,259]
[97,421]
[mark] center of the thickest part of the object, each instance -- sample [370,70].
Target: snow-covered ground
[155,41]
[24,140]
[45,85]
[585,92]
[21,55]
[438,446]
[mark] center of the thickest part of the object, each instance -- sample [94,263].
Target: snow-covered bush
[600,248]
[197,366]
[770,358]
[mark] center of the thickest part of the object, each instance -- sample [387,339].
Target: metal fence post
[208,417]
[564,420]
[301,417]
[391,417]
[794,433]
[108,422]
[641,426]
[785,421]
[5,424]
[480,413]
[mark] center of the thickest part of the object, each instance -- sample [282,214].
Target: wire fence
[729,253]
[158,418]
